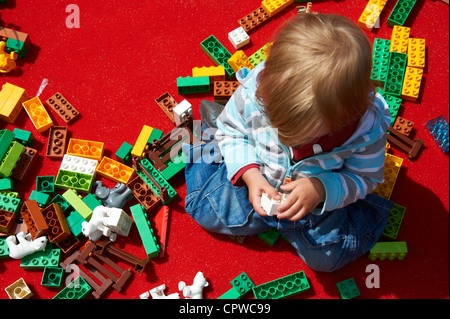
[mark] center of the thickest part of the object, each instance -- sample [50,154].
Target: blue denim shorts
[325,242]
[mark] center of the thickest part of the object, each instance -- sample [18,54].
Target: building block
[394,221]
[156,135]
[181,111]
[269,236]
[348,289]
[253,19]
[77,203]
[239,60]
[45,184]
[12,156]
[393,102]
[416,53]
[259,56]
[17,46]
[188,84]
[78,164]
[371,14]
[123,154]
[166,102]
[33,218]
[38,114]
[438,128]
[92,201]
[392,168]
[407,145]
[400,12]
[13,34]
[6,183]
[215,73]
[242,284]
[4,249]
[218,53]
[24,164]
[74,221]
[400,39]
[10,204]
[11,99]
[403,125]
[238,38]
[272,7]
[58,229]
[62,107]
[48,257]
[24,137]
[282,287]
[57,141]
[7,221]
[58,199]
[6,137]
[411,84]
[83,148]
[39,197]
[114,170]
[77,289]
[145,231]
[270,205]
[18,290]
[143,193]
[380,61]
[79,181]
[141,142]
[223,90]
[397,66]
[388,250]
[52,277]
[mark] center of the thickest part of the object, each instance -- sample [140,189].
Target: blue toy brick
[282,287]
[348,289]
[438,128]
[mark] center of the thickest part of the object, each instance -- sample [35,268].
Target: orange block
[84,148]
[114,170]
[38,114]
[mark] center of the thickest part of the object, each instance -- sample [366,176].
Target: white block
[181,110]
[270,205]
[78,164]
[239,38]
[119,222]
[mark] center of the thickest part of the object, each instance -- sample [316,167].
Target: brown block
[62,107]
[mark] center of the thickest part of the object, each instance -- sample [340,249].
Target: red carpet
[126,54]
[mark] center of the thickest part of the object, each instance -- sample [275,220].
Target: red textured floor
[125,54]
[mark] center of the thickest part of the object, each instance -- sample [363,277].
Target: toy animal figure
[115,197]
[96,227]
[195,291]
[7,61]
[26,245]
[158,293]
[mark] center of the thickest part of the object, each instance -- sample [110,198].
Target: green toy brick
[400,12]
[174,166]
[52,277]
[270,236]
[23,137]
[242,284]
[4,249]
[48,257]
[123,154]
[283,287]
[218,53]
[79,181]
[77,203]
[230,294]
[10,158]
[394,221]
[393,102]
[9,193]
[348,289]
[6,183]
[45,184]
[259,56]
[58,199]
[10,204]
[388,250]
[74,221]
[145,231]
[6,137]
[155,135]
[396,73]
[39,197]
[159,179]
[77,289]
[187,85]
[92,201]
[18,46]
[380,61]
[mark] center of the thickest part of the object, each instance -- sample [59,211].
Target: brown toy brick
[70,243]
[223,90]
[253,19]
[7,221]
[403,125]
[406,144]
[57,141]
[166,102]
[57,224]
[24,164]
[33,218]
[13,34]
[143,193]
[62,107]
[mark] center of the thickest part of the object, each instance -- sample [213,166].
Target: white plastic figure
[158,293]
[118,221]
[270,205]
[195,291]
[26,245]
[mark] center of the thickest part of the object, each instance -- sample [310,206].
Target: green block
[348,289]
[4,249]
[187,85]
[270,236]
[145,231]
[394,221]
[45,184]
[41,198]
[396,73]
[388,250]
[48,257]
[92,201]
[10,204]
[6,137]
[18,46]
[218,53]
[155,135]
[52,277]
[230,294]
[242,284]
[24,137]
[259,56]
[77,289]
[74,221]
[79,181]
[58,199]
[173,167]
[282,287]
[393,102]
[10,158]
[9,193]
[124,153]
[400,12]
[6,183]
[380,61]
[77,203]
[158,178]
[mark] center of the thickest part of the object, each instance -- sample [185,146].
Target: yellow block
[371,14]
[416,53]
[400,39]
[239,60]
[38,114]
[11,99]
[411,84]
[215,73]
[392,167]
[141,142]
[272,7]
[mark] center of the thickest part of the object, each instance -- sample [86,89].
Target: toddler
[306,123]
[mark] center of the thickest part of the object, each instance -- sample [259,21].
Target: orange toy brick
[114,170]
[84,148]
[371,14]
[416,53]
[223,90]
[400,39]
[11,99]
[392,167]
[38,114]
[411,84]
[403,125]
[239,60]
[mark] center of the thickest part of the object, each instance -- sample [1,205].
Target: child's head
[316,78]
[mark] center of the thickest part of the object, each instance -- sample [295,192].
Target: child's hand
[257,185]
[306,194]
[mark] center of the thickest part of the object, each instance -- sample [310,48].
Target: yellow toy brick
[411,84]
[371,14]
[18,290]
[84,148]
[239,60]
[38,114]
[392,167]
[11,99]
[215,73]
[400,39]
[114,170]
[272,7]
[141,142]
[416,53]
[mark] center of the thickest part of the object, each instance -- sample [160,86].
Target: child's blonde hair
[316,78]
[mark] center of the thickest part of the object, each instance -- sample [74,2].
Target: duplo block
[239,38]
[52,277]
[48,257]
[218,53]
[282,287]
[77,203]
[10,159]
[11,99]
[438,128]
[392,168]
[400,39]
[416,53]
[348,289]
[145,231]
[388,250]
[114,170]
[45,184]
[17,46]
[254,19]
[239,60]
[24,137]
[394,221]
[38,114]
[62,107]
[57,141]
[380,61]
[411,84]
[400,12]
[67,179]
[371,14]
[85,148]
[393,102]
[18,290]
[189,85]
[141,142]
[123,154]
[6,137]
[77,289]
[272,7]
[396,72]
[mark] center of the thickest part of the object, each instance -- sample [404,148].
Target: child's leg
[332,240]
[213,201]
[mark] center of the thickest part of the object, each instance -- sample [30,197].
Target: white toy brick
[270,205]
[181,110]
[239,38]
[119,222]
[78,164]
